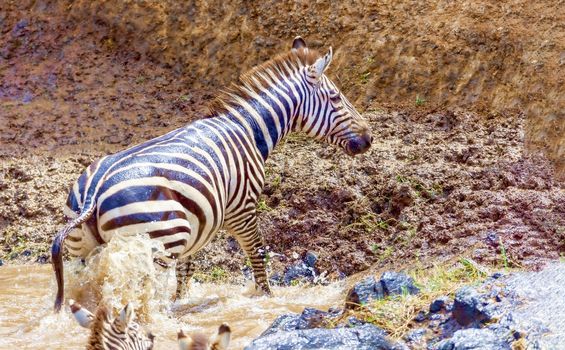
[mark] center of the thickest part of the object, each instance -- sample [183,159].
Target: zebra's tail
[57,256]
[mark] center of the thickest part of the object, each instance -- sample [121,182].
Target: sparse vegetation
[394,314]
[262,206]
[216,274]
[420,101]
[365,77]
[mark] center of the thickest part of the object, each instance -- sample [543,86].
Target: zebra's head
[325,113]
[119,333]
[124,333]
[198,341]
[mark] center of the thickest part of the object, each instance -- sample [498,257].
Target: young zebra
[181,188]
[123,333]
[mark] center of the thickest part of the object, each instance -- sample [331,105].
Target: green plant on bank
[365,77]
[395,313]
[276,181]
[184,98]
[503,256]
[419,187]
[262,206]
[369,223]
[420,101]
[295,282]
[217,274]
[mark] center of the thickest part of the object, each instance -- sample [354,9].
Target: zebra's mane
[253,81]
[101,317]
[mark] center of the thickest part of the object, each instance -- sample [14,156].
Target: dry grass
[394,314]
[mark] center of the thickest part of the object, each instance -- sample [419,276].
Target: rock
[363,292]
[354,322]
[42,259]
[421,317]
[1,262]
[416,335]
[439,304]
[310,259]
[468,307]
[298,271]
[391,283]
[473,339]
[276,279]
[309,318]
[398,283]
[366,337]
[26,252]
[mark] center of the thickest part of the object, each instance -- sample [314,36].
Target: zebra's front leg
[184,271]
[252,244]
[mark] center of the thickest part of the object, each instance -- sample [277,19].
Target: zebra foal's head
[123,333]
[326,114]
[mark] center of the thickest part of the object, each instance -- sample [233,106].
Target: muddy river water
[27,319]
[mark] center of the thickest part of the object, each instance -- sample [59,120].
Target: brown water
[113,274]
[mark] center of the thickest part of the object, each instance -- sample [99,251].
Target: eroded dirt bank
[439,182]
[481,55]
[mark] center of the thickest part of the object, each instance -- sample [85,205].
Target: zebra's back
[172,188]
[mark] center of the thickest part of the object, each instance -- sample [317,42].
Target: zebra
[182,187]
[123,333]
[199,341]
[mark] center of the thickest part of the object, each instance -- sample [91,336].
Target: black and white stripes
[181,188]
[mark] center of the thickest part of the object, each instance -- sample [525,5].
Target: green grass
[503,256]
[365,77]
[420,101]
[369,223]
[217,274]
[262,206]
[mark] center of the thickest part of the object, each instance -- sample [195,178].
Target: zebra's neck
[268,114]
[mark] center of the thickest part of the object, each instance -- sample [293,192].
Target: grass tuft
[395,314]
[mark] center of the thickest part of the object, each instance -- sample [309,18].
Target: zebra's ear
[221,341]
[185,342]
[126,317]
[298,43]
[321,64]
[82,315]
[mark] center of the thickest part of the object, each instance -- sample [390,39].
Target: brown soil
[444,179]
[481,55]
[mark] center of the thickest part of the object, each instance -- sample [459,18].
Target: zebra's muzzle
[360,144]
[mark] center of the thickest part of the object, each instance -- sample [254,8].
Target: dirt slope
[480,55]
[440,182]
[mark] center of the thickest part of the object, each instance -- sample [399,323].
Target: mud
[448,176]
[479,55]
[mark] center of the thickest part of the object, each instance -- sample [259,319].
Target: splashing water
[123,271]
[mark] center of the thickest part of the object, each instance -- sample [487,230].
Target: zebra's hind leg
[184,271]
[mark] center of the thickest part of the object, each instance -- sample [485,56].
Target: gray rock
[298,271]
[395,283]
[416,335]
[468,307]
[363,292]
[309,318]
[366,337]
[473,339]
[439,304]
[310,259]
